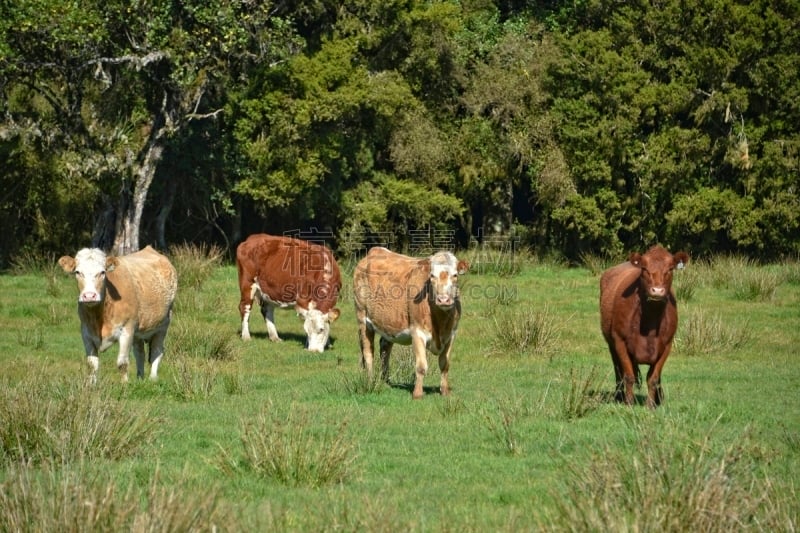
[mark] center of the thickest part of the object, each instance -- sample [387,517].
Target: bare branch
[137,61]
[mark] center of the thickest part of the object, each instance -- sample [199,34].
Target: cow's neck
[651,313]
[443,320]
[92,316]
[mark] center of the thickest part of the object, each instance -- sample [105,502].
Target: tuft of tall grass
[501,419]
[193,379]
[34,262]
[503,261]
[581,397]
[665,481]
[287,447]
[523,332]
[748,280]
[687,281]
[359,383]
[701,334]
[195,263]
[57,499]
[42,421]
[596,264]
[197,340]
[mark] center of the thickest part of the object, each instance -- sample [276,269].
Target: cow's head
[657,265]
[89,266]
[445,268]
[317,325]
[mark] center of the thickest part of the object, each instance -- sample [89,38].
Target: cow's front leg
[268,311]
[138,353]
[92,361]
[418,344]
[444,368]
[125,341]
[655,394]
[624,369]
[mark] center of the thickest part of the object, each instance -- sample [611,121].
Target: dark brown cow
[408,301]
[639,316]
[285,272]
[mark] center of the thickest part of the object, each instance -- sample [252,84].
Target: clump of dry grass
[64,422]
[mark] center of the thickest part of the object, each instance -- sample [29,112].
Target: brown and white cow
[285,272]
[638,317]
[408,301]
[126,299]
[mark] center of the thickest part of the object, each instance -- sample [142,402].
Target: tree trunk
[131,203]
[163,213]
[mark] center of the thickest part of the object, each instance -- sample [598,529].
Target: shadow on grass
[409,387]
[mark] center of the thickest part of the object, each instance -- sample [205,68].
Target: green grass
[265,436]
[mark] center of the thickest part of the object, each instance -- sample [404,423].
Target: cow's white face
[89,266]
[445,268]
[317,326]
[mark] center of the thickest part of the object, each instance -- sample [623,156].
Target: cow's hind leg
[156,352]
[421,357]
[366,339]
[268,312]
[386,352]
[138,353]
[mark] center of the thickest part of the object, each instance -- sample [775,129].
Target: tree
[117,82]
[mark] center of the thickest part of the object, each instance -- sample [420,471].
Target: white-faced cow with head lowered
[408,301]
[289,273]
[126,299]
[638,317]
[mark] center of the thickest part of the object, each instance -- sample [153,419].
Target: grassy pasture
[263,436]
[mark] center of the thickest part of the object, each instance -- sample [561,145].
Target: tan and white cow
[408,301]
[286,273]
[125,299]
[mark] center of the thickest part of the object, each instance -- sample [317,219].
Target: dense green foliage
[587,127]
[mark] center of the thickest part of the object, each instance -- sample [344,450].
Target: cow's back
[618,295]
[143,284]
[389,288]
[289,270]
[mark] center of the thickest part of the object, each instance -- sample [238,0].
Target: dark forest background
[570,127]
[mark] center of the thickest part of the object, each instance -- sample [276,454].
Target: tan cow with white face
[126,299]
[408,301]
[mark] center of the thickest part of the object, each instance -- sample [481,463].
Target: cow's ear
[681,258]
[333,314]
[636,259]
[463,267]
[111,263]
[300,311]
[67,263]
